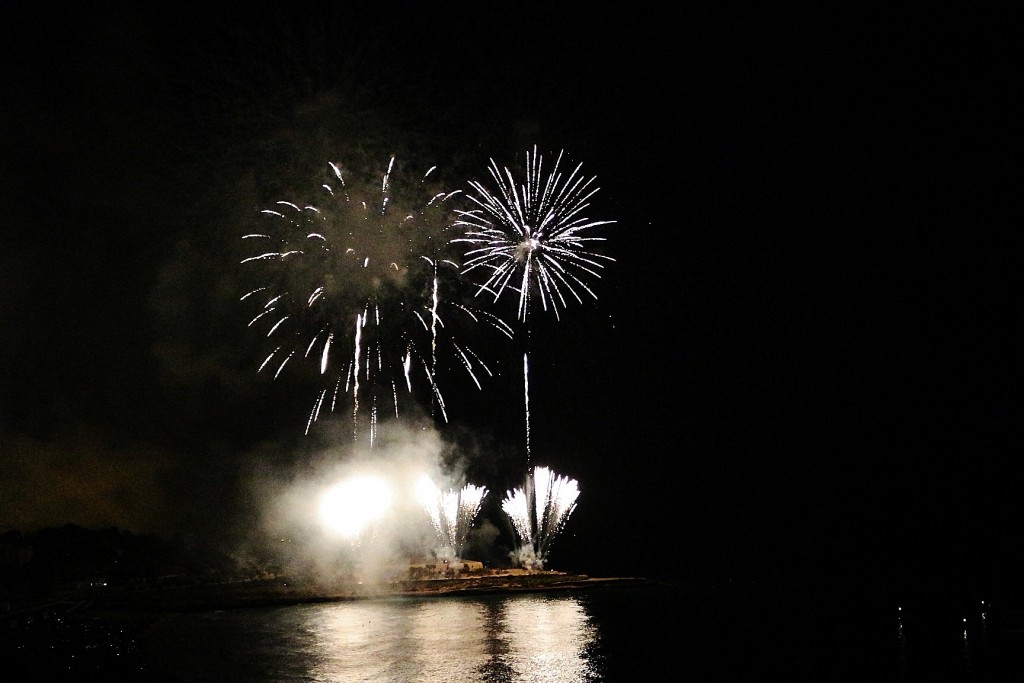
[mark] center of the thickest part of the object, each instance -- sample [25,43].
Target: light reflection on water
[629,633]
[506,639]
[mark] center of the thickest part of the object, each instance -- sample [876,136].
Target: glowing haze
[351,506]
[353,510]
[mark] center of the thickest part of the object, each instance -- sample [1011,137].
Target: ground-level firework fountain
[451,514]
[376,513]
[538,513]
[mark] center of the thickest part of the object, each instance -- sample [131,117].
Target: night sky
[800,363]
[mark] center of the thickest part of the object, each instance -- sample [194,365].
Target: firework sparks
[451,513]
[358,285]
[530,239]
[539,512]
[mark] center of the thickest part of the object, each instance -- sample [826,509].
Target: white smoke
[349,512]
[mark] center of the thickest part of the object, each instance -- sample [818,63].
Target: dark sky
[801,358]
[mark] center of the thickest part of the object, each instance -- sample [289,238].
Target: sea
[643,631]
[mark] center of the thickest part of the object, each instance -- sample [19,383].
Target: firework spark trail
[451,513]
[526,400]
[529,239]
[358,284]
[538,513]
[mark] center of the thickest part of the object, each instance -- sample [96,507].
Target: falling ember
[538,513]
[365,284]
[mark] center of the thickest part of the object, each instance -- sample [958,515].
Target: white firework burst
[530,237]
[363,284]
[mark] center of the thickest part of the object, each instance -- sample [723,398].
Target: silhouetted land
[69,567]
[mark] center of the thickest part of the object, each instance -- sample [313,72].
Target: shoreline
[281,591]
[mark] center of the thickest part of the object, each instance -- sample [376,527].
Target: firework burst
[363,285]
[538,513]
[529,237]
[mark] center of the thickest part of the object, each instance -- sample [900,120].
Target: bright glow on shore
[350,507]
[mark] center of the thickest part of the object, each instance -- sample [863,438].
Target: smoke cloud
[347,510]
